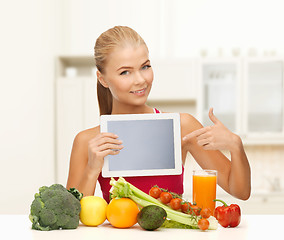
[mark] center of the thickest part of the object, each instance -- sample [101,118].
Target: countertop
[251,227]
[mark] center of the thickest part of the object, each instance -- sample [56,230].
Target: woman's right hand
[102,145]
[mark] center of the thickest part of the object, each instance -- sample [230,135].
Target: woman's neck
[130,109]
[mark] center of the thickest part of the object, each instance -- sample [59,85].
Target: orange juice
[204,188]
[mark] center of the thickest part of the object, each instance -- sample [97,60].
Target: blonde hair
[118,36]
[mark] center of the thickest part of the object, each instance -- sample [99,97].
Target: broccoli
[55,207]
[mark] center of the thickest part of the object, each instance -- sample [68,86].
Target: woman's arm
[205,143]
[81,176]
[87,158]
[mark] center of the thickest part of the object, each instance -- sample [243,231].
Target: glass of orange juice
[204,188]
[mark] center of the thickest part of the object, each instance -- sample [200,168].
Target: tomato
[203,224]
[166,197]
[122,213]
[205,212]
[155,192]
[185,207]
[195,209]
[175,203]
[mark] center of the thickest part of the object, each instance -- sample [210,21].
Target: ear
[101,79]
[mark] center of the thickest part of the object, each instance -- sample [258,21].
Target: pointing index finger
[195,133]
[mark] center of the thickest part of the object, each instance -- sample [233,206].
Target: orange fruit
[122,212]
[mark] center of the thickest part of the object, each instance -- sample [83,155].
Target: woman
[125,78]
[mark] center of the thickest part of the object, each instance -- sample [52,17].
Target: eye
[146,67]
[124,73]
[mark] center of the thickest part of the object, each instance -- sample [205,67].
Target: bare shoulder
[86,135]
[188,123]
[79,152]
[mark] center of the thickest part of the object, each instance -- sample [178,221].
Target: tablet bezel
[106,172]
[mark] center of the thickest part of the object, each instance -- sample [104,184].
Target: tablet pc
[152,144]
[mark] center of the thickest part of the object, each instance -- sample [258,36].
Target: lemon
[93,210]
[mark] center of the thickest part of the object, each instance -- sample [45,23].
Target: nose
[139,78]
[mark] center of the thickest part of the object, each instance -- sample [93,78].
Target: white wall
[26,96]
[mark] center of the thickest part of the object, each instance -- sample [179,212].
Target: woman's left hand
[215,137]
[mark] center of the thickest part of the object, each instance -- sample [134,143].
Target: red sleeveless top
[173,183]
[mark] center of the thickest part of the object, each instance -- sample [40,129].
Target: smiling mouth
[139,91]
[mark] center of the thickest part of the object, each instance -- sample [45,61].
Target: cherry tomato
[175,203]
[185,207]
[155,192]
[205,212]
[195,209]
[203,224]
[166,197]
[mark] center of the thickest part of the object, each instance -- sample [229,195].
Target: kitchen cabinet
[263,88]
[76,106]
[247,96]
[219,87]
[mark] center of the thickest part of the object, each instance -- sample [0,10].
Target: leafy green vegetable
[55,207]
[121,188]
[76,193]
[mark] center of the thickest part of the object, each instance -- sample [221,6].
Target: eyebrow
[126,67]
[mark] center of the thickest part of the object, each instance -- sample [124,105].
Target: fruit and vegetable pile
[55,207]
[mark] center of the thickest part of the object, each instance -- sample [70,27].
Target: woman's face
[128,75]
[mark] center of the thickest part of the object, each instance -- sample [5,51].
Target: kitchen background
[224,54]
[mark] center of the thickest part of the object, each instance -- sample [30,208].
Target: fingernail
[184,138]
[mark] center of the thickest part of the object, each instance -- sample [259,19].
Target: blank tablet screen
[148,144]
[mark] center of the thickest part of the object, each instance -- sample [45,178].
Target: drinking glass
[204,188]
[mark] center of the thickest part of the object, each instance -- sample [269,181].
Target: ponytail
[104,99]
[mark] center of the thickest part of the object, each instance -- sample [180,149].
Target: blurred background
[209,53]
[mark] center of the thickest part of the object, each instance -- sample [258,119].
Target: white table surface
[251,227]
